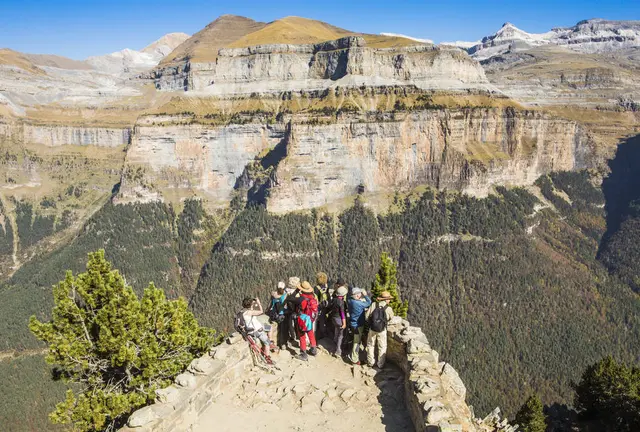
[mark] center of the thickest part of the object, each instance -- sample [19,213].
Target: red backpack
[309,306]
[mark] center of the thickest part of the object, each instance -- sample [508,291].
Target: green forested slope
[506,288]
[144,241]
[509,292]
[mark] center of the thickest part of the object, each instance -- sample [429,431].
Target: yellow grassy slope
[297,30]
[13,58]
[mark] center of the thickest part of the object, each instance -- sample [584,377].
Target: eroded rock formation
[347,61]
[314,161]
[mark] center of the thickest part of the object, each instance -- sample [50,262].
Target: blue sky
[78,29]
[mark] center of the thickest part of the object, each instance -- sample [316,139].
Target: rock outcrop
[59,135]
[218,386]
[316,162]
[588,36]
[347,62]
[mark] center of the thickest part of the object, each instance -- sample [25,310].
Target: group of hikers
[300,314]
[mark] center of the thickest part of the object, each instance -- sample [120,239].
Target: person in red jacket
[306,307]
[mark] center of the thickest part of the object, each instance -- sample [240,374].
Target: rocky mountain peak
[166,44]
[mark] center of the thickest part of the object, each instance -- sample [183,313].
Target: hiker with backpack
[321,292]
[377,317]
[338,315]
[276,314]
[290,305]
[248,325]
[306,312]
[358,304]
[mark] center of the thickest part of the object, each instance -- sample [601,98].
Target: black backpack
[378,319]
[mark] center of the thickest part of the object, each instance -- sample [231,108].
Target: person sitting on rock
[276,315]
[321,292]
[338,315]
[378,316]
[254,328]
[358,304]
[306,307]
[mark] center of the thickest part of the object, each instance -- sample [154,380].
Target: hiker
[253,327]
[289,327]
[378,316]
[358,304]
[338,318]
[321,292]
[276,315]
[306,311]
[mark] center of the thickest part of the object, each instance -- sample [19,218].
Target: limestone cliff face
[192,158]
[346,62]
[468,150]
[313,163]
[59,135]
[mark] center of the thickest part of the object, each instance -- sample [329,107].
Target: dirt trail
[324,394]
[12,355]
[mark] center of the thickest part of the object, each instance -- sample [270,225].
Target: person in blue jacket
[358,305]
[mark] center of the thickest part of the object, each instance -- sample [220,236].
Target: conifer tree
[387,280]
[531,418]
[112,347]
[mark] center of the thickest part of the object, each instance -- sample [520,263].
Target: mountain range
[217,163]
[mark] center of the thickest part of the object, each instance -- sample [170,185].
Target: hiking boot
[303,356]
[337,353]
[313,351]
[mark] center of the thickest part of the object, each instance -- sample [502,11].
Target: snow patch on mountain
[131,61]
[589,36]
[407,37]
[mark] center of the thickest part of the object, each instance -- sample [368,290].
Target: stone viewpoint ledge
[434,393]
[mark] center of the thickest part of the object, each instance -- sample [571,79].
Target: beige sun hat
[306,287]
[384,295]
[342,291]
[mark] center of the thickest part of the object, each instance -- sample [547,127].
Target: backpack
[309,306]
[241,325]
[305,324]
[276,311]
[323,297]
[378,319]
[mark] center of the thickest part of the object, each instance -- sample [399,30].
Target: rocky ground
[321,394]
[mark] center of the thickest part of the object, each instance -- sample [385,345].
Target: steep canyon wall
[313,162]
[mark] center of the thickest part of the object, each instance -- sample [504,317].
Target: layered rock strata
[59,135]
[314,162]
[346,62]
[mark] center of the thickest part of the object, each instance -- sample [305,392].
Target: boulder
[452,381]
[437,413]
[170,395]
[149,414]
[204,365]
[417,347]
[234,338]
[186,380]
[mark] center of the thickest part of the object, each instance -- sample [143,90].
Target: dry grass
[204,45]
[13,58]
[292,30]
[483,152]
[379,41]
